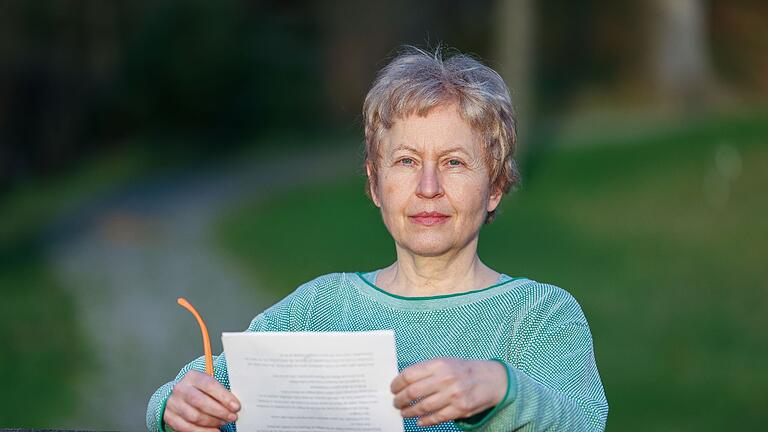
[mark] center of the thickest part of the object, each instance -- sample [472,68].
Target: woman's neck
[417,276]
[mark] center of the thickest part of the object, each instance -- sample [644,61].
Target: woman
[477,349]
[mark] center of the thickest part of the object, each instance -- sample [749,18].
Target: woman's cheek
[392,189]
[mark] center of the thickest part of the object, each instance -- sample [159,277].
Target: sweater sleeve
[556,385]
[290,314]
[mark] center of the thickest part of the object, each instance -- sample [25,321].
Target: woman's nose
[429,185]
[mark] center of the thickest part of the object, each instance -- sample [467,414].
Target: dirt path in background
[127,258]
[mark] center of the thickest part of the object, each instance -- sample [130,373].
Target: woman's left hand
[446,389]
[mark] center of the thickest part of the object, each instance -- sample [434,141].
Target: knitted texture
[537,330]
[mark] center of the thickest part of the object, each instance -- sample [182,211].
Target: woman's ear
[494,199]
[372,184]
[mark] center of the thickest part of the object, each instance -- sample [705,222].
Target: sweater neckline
[365,282]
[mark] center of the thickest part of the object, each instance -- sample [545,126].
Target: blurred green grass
[664,250]
[43,352]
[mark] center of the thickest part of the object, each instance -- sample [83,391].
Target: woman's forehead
[440,130]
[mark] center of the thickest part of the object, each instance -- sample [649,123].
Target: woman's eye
[454,162]
[406,161]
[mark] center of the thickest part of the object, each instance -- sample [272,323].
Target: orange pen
[206,339]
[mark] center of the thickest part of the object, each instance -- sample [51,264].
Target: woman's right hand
[200,403]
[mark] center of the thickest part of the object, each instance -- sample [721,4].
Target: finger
[444,415]
[193,416]
[180,425]
[207,405]
[218,392]
[183,402]
[410,375]
[431,404]
[419,389]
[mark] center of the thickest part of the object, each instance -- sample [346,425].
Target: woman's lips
[429,218]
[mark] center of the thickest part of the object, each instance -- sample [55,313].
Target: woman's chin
[427,247]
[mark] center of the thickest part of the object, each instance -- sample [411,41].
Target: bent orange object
[206,339]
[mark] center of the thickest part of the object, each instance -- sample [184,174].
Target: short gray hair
[416,81]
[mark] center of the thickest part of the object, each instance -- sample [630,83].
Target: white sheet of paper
[301,382]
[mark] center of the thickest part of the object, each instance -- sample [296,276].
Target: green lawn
[665,253]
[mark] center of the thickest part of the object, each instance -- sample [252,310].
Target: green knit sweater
[537,330]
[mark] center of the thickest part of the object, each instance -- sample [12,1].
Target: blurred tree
[77,76]
[739,35]
[45,90]
[81,75]
[679,52]
[514,23]
[220,70]
[359,38]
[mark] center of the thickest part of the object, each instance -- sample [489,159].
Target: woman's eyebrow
[442,153]
[404,147]
[454,150]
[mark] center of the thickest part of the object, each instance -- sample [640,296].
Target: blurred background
[212,150]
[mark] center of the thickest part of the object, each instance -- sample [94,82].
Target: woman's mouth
[429,218]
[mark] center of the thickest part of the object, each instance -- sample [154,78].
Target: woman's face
[433,185]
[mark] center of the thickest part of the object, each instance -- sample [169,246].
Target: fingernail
[232,417]
[235,406]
